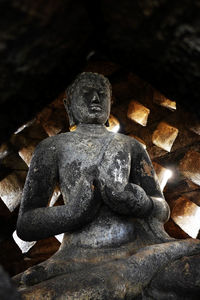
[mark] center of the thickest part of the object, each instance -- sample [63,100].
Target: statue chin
[115,245]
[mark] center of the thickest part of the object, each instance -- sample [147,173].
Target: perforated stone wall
[170,135]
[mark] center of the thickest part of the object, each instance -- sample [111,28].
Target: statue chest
[106,161]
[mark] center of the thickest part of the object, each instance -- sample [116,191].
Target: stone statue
[114,244]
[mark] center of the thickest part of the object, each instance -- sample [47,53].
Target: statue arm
[142,196]
[36,220]
[144,176]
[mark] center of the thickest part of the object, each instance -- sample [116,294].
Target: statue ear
[107,123]
[69,112]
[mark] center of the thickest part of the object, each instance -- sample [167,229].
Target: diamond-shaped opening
[186,215]
[164,136]
[163,174]
[138,113]
[161,100]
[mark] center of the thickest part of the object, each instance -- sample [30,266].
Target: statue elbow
[161,209]
[23,232]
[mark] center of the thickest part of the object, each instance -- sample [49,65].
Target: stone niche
[151,124]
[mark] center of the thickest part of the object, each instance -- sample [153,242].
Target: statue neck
[92,129]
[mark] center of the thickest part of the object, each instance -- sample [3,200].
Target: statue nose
[95,97]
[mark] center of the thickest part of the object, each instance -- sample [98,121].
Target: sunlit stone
[138,113]
[190,166]
[164,136]
[161,100]
[139,140]
[114,125]
[24,246]
[11,191]
[163,174]
[186,215]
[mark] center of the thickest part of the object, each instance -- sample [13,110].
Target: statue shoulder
[130,141]
[49,147]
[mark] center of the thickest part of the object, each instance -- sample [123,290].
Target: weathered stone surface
[169,282]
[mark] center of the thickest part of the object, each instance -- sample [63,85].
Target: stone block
[11,191]
[186,215]
[161,100]
[138,113]
[164,136]
[190,166]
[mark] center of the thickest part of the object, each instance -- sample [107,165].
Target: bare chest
[106,160]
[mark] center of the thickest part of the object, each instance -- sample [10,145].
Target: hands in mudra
[133,201]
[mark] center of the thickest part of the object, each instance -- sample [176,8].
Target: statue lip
[96,107]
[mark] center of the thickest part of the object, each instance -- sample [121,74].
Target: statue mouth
[95,107]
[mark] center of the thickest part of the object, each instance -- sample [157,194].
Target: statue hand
[86,200]
[132,201]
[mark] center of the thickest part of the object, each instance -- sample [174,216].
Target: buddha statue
[114,245]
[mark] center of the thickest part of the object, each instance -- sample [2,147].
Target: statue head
[88,99]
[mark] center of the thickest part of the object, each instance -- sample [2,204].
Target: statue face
[91,103]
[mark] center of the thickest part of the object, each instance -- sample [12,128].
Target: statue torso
[81,159]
